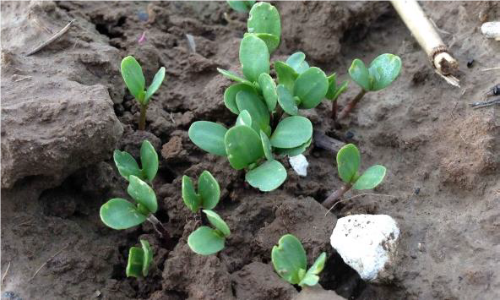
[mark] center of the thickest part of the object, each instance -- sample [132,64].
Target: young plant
[127,165]
[206,240]
[290,262]
[348,163]
[139,260]
[334,91]
[260,131]
[241,6]
[136,83]
[208,194]
[383,70]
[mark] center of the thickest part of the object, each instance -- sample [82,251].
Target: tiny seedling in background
[127,165]
[206,240]
[334,91]
[136,83]
[241,6]
[208,194]
[139,260]
[348,163]
[290,262]
[382,72]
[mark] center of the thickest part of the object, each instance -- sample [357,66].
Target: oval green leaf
[217,222]
[266,145]
[272,41]
[135,262]
[360,74]
[209,136]
[268,176]
[384,70]
[286,75]
[348,161]
[126,164]
[142,193]
[295,60]
[148,257]
[268,87]
[209,190]
[232,91]
[120,214]
[289,259]
[134,78]
[286,101]
[155,85]
[244,118]
[265,18]
[233,76]
[292,132]
[205,241]
[149,161]
[372,177]
[256,108]
[311,87]
[243,146]
[189,195]
[311,278]
[254,57]
[241,6]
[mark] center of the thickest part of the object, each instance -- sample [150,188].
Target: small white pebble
[491,30]
[299,164]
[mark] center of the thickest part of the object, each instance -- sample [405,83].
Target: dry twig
[52,39]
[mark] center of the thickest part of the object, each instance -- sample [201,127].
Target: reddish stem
[350,106]
[142,118]
[335,196]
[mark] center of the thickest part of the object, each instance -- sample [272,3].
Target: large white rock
[368,244]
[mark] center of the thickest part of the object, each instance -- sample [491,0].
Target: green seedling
[208,194]
[139,260]
[241,6]
[382,71]
[206,240]
[334,91]
[290,262]
[136,84]
[348,163]
[127,165]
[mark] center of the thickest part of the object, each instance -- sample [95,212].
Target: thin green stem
[350,106]
[142,119]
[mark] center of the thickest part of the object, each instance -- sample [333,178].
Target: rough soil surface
[443,184]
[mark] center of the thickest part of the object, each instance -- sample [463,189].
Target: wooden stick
[52,39]
[424,32]
[5,273]
[321,140]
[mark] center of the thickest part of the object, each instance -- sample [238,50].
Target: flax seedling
[241,6]
[290,262]
[334,92]
[261,130]
[209,240]
[348,163]
[139,260]
[136,83]
[206,197]
[383,70]
[127,165]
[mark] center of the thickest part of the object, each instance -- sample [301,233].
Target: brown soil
[443,184]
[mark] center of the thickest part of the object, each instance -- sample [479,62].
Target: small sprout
[139,260]
[208,192]
[348,163]
[382,72]
[334,92]
[127,165]
[241,6]
[136,83]
[206,240]
[290,262]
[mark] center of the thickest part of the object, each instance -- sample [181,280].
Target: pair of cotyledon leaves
[383,70]
[139,260]
[119,213]
[348,163]
[290,262]
[207,240]
[136,83]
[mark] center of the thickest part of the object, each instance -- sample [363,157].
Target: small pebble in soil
[299,164]
[417,191]
[143,16]
[10,296]
[349,135]
[470,63]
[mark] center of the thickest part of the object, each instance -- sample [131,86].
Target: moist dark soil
[442,187]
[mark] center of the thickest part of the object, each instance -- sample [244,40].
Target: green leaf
[209,190]
[135,262]
[286,75]
[311,87]
[340,90]
[157,81]
[119,214]
[295,60]
[243,146]
[265,18]
[189,195]
[293,151]
[372,177]
[335,91]
[268,176]
[126,164]
[148,257]
[272,41]
[217,222]
[360,74]
[289,259]
[254,57]
[292,132]
[209,136]
[142,193]
[205,241]
[256,108]
[232,91]
[286,101]
[304,66]
[241,6]
[311,278]
[244,118]
[266,146]
[348,161]
[233,76]
[384,70]
[268,91]
[133,77]
[149,161]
